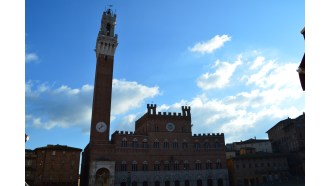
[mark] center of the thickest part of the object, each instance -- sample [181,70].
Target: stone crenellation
[208,134]
[152,108]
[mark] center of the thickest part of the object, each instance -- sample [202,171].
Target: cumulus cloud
[210,45]
[129,95]
[48,106]
[271,93]
[31,57]
[220,77]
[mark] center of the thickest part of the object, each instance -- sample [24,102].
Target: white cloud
[221,77]
[271,93]
[257,62]
[48,107]
[31,57]
[129,95]
[210,45]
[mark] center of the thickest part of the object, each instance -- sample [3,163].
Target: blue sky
[233,62]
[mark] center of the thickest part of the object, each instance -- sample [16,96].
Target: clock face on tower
[170,127]
[101,126]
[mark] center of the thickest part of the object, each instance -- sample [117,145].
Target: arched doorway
[157,183]
[177,183]
[220,182]
[199,182]
[186,183]
[209,182]
[102,177]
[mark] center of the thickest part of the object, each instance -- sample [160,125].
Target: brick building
[161,151]
[54,165]
[30,166]
[260,145]
[288,137]
[256,168]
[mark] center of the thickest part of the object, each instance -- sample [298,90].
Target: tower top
[106,42]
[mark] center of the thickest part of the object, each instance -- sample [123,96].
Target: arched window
[217,145]
[166,166]
[186,165]
[145,143]
[184,144]
[206,145]
[123,166]
[108,29]
[176,165]
[156,166]
[166,144]
[156,144]
[218,164]
[175,144]
[208,164]
[145,166]
[134,166]
[198,165]
[197,146]
[135,143]
[124,142]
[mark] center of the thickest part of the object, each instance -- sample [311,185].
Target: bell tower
[106,44]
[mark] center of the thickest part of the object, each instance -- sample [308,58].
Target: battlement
[208,134]
[124,132]
[152,111]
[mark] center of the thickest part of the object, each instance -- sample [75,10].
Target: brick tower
[105,49]
[95,154]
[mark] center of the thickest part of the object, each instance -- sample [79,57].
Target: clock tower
[106,44]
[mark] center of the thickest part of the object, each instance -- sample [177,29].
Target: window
[184,145]
[208,164]
[108,29]
[175,144]
[217,145]
[166,165]
[145,143]
[165,144]
[135,143]
[186,165]
[206,145]
[145,166]
[156,166]
[124,142]
[197,146]
[218,164]
[198,165]
[54,153]
[176,165]
[156,144]
[134,166]
[123,166]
